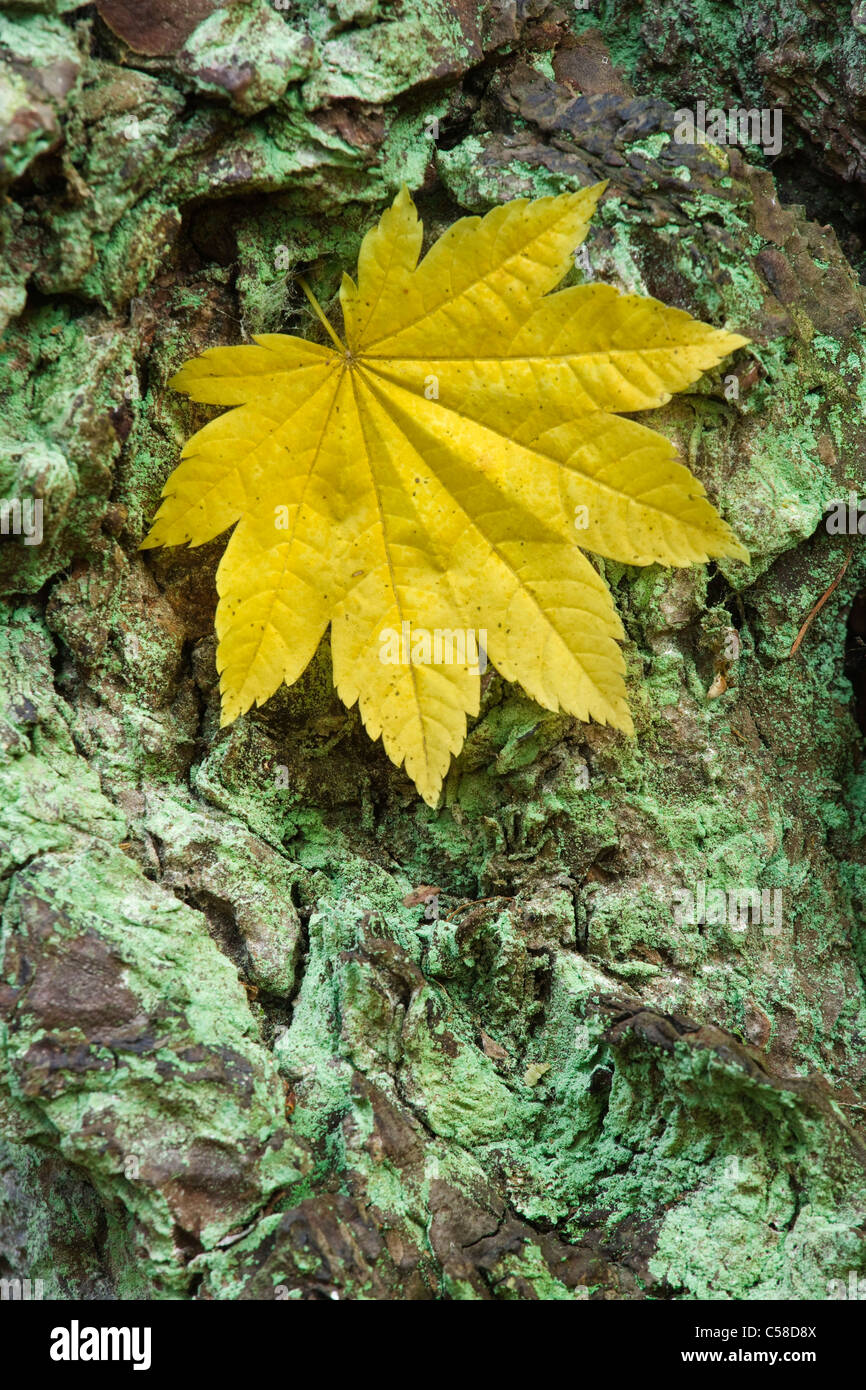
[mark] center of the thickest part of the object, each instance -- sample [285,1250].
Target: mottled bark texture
[234,1063]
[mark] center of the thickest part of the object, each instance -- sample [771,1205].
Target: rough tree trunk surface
[235,1064]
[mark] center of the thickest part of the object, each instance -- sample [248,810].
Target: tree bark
[236,1064]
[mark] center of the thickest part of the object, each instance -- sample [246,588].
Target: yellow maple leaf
[418,486]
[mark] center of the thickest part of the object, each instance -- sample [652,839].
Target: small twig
[476,902]
[320,313]
[813,612]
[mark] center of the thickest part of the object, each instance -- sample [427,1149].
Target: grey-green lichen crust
[234,1063]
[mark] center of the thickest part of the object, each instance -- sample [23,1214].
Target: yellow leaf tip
[404,199]
[735,341]
[180,379]
[429,796]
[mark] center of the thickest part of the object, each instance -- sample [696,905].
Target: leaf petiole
[320,314]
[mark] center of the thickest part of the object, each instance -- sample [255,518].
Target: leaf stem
[319,312]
